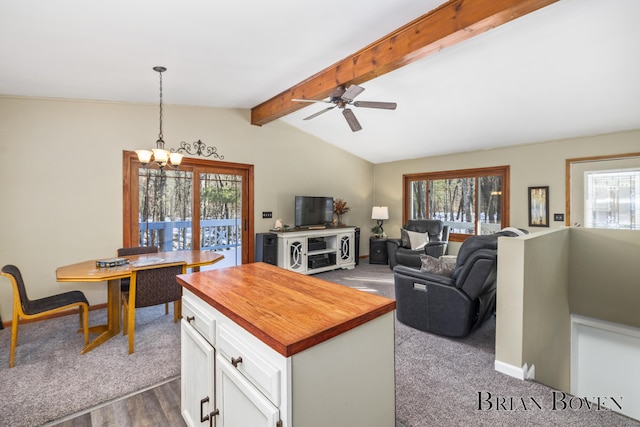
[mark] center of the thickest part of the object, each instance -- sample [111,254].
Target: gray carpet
[52,379]
[438,379]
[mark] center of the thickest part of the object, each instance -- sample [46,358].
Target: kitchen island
[263,346]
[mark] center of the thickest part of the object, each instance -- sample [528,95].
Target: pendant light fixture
[159,155]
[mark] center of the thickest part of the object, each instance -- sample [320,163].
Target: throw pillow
[404,237]
[418,240]
[436,266]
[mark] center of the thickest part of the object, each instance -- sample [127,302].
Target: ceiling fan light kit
[342,97]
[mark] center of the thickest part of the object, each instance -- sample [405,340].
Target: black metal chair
[24,308]
[149,286]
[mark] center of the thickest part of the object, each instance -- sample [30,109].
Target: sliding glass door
[160,207]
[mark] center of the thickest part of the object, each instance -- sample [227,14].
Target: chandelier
[159,155]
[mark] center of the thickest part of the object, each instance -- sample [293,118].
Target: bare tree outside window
[165,198]
[470,202]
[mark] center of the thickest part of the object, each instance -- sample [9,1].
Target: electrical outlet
[558,217]
[267,214]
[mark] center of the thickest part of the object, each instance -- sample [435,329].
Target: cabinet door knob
[191,318]
[236,361]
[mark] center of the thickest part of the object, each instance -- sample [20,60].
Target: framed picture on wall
[539,206]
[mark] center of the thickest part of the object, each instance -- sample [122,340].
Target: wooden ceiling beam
[449,24]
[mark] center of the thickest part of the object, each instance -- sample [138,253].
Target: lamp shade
[144,156]
[380,212]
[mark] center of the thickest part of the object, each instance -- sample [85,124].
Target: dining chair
[136,250]
[25,308]
[152,285]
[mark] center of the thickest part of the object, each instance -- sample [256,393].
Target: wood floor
[157,407]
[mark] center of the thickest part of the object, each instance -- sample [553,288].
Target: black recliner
[438,233]
[451,306]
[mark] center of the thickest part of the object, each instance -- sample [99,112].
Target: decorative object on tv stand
[173,158]
[340,208]
[379,213]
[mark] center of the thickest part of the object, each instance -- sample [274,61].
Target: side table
[378,250]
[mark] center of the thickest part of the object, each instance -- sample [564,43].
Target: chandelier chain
[160,135]
[161,157]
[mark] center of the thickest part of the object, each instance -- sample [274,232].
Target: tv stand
[313,251]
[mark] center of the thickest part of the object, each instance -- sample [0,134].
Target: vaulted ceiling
[548,70]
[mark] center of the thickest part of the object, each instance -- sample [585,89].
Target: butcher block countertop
[288,311]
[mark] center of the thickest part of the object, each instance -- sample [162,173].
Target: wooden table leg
[112,328]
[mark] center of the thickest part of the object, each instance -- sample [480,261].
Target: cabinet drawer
[201,318]
[260,372]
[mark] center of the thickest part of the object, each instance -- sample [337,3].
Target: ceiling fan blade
[310,100]
[351,92]
[338,92]
[319,112]
[374,104]
[354,124]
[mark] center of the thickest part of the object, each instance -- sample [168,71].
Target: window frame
[567,182]
[502,171]
[130,166]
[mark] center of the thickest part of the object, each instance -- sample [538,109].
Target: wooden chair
[152,285]
[24,308]
[136,250]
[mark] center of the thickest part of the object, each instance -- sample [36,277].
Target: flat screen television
[311,210]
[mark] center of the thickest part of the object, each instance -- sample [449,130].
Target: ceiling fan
[342,97]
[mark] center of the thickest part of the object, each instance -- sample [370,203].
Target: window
[602,191]
[612,199]
[205,205]
[469,201]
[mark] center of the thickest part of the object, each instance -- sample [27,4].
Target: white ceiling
[570,69]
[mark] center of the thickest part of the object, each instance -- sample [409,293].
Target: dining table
[88,271]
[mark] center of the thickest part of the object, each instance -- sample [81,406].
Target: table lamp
[380,213]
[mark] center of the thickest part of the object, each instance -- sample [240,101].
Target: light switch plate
[267,214]
[558,217]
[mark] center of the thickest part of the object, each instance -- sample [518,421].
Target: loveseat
[433,233]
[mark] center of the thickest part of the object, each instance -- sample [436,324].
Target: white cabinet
[346,250]
[240,403]
[284,377]
[197,374]
[197,362]
[292,253]
[315,251]
[224,379]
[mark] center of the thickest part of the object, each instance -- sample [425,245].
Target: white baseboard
[521,373]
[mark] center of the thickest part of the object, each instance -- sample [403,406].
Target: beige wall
[544,278]
[539,164]
[533,323]
[605,275]
[61,177]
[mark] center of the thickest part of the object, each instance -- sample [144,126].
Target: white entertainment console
[312,251]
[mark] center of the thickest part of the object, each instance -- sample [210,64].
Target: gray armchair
[399,250]
[450,306]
